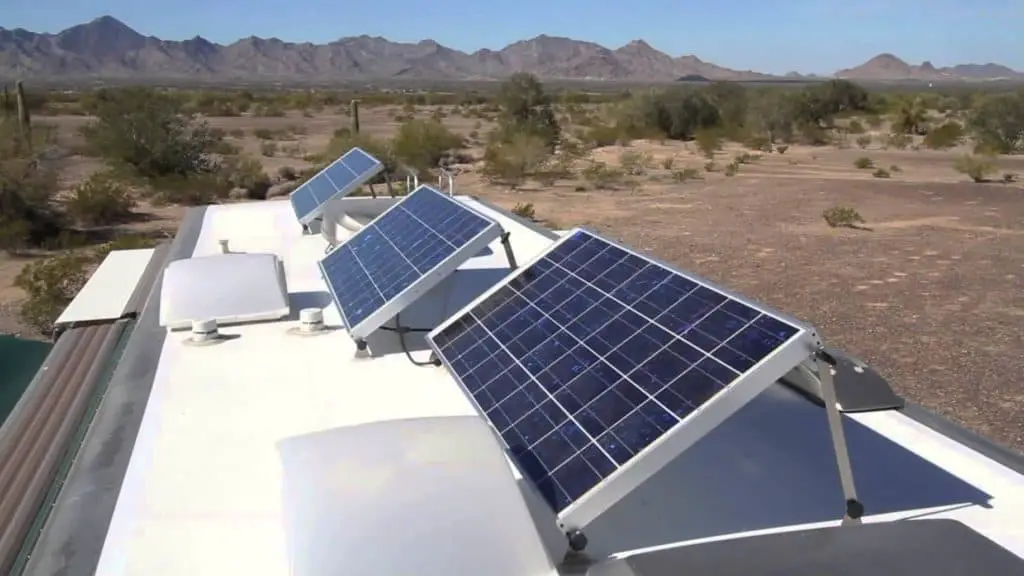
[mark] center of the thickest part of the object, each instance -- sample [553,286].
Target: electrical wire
[401,330]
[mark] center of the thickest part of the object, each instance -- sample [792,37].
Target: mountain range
[109,49]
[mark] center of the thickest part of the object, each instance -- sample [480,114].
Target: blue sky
[800,35]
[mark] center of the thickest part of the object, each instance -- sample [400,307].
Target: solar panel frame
[308,205]
[682,435]
[425,282]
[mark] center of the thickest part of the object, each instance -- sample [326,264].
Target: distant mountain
[889,67]
[107,48]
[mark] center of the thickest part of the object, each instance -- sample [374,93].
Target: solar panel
[339,179]
[597,366]
[400,255]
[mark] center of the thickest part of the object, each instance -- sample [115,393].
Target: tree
[145,129]
[526,108]
[998,123]
[911,117]
[421,144]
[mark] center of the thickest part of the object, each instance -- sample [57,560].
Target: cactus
[354,105]
[24,118]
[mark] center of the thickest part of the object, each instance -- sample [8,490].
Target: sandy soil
[932,294]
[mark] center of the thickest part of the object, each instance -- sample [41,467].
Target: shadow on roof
[771,465]
[448,297]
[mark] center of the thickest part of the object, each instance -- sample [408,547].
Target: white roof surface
[105,296]
[209,489]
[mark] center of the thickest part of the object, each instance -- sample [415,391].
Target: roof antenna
[826,364]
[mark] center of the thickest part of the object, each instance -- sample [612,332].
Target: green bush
[863,141]
[977,167]
[422,144]
[512,162]
[101,201]
[945,136]
[863,163]
[50,285]
[881,173]
[147,131]
[842,217]
[601,176]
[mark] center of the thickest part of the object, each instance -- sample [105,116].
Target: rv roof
[259,454]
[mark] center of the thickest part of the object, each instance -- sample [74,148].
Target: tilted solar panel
[339,179]
[598,366]
[400,255]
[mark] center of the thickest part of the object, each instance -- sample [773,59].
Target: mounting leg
[508,251]
[577,540]
[854,508]
[362,350]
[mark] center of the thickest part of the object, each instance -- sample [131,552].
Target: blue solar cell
[342,177]
[397,250]
[592,353]
[359,162]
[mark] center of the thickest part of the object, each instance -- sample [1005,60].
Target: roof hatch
[228,288]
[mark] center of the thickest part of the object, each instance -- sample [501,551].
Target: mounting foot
[577,540]
[362,350]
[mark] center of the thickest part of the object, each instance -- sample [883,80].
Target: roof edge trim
[83,510]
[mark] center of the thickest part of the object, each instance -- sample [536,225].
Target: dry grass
[931,295]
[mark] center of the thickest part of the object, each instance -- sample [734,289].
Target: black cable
[401,340]
[402,329]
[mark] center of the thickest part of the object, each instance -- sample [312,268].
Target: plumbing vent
[227,288]
[311,323]
[204,333]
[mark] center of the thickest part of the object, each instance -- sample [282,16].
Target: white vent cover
[227,288]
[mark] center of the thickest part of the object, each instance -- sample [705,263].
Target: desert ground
[930,290]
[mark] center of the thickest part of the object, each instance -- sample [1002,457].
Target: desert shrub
[895,169]
[898,141]
[976,167]
[685,174]
[601,176]
[668,162]
[855,127]
[710,166]
[881,173]
[268,149]
[100,200]
[422,144]
[998,123]
[708,142]
[1009,178]
[244,172]
[863,141]
[287,173]
[842,217]
[188,190]
[145,130]
[526,109]
[263,133]
[731,169]
[945,136]
[604,135]
[781,148]
[27,218]
[512,162]
[863,163]
[50,285]
[634,163]
[525,210]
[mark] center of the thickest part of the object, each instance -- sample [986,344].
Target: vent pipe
[204,330]
[311,320]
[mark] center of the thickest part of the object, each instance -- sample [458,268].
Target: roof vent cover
[226,288]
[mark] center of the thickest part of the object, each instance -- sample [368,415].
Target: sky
[806,36]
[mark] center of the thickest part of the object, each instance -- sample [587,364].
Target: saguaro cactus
[354,105]
[24,117]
